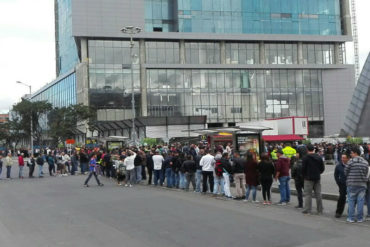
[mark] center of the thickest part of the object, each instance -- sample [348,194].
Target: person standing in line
[1,165]
[218,177]
[92,169]
[66,161]
[40,163]
[251,177]
[8,164]
[74,163]
[298,177]
[130,168]
[356,171]
[340,179]
[267,171]
[207,163]
[227,171]
[149,166]
[138,166]
[51,163]
[31,166]
[189,167]
[167,167]
[239,175]
[198,173]
[312,168]
[84,160]
[157,168]
[21,165]
[282,174]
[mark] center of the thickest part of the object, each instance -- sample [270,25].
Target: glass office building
[231,61]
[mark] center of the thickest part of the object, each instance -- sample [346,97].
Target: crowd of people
[213,170]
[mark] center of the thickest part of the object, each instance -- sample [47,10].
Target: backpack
[218,168]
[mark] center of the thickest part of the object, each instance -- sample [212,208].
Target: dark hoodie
[282,166]
[312,167]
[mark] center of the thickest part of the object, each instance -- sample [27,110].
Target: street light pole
[130,30]
[31,141]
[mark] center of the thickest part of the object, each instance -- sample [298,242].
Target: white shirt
[207,163]
[129,162]
[66,158]
[157,161]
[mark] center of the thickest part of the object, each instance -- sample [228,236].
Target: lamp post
[131,30]
[29,86]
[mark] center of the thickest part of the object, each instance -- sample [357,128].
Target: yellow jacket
[289,152]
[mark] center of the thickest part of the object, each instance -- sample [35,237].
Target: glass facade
[357,118]
[160,16]
[318,53]
[235,95]
[223,95]
[242,53]
[162,52]
[110,74]
[315,17]
[202,53]
[281,53]
[60,94]
[68,55]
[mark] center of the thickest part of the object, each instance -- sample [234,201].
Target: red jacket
[20,160]
[251,173]
[283,166]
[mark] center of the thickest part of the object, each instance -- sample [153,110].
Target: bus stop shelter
[243,138]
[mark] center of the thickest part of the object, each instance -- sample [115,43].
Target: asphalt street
[59,211]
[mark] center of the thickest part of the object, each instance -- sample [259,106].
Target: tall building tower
[229,61]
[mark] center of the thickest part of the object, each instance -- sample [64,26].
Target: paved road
[58,211]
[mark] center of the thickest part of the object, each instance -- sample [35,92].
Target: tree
[63,121]
[27,111]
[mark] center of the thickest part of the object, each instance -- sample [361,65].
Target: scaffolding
[355,39]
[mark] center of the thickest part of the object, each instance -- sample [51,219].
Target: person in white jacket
[130,168]
[208,165]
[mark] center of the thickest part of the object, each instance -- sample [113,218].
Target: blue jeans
[284,189]
[368,199]
[40,170]
[198,180]
[218,183]
[356,195]
[175,179]
[182,180]
[138,173]
[254,192]
[1,169]
[21,171]
[8,171]
[168,172]
[158,175]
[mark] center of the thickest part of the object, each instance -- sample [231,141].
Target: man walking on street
[92,168]
[340,179]
[356,172]
[312,168]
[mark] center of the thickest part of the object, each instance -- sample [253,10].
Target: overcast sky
[27,51]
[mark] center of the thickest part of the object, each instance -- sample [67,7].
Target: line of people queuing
[213,170]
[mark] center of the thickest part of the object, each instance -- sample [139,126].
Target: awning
[282,138]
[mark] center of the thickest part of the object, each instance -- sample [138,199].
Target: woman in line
[251,177]
[267,171]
